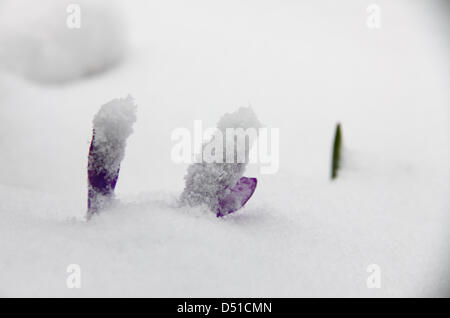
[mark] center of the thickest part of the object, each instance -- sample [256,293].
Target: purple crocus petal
[101,182]
[113,124]
[237,196]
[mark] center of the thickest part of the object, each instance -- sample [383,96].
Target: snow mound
[37,44]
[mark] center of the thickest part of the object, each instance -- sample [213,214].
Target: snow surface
[303,67]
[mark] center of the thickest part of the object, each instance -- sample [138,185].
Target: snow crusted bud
[113,124]
[209,183]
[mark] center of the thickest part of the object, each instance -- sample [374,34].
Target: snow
[36,43]
[303,68]
[113,124]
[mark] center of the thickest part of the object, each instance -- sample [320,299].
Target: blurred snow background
[302,67]
[36,44]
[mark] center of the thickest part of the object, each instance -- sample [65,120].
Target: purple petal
[101,181]
[237,196]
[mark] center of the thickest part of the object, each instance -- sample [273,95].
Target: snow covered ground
[302,67]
